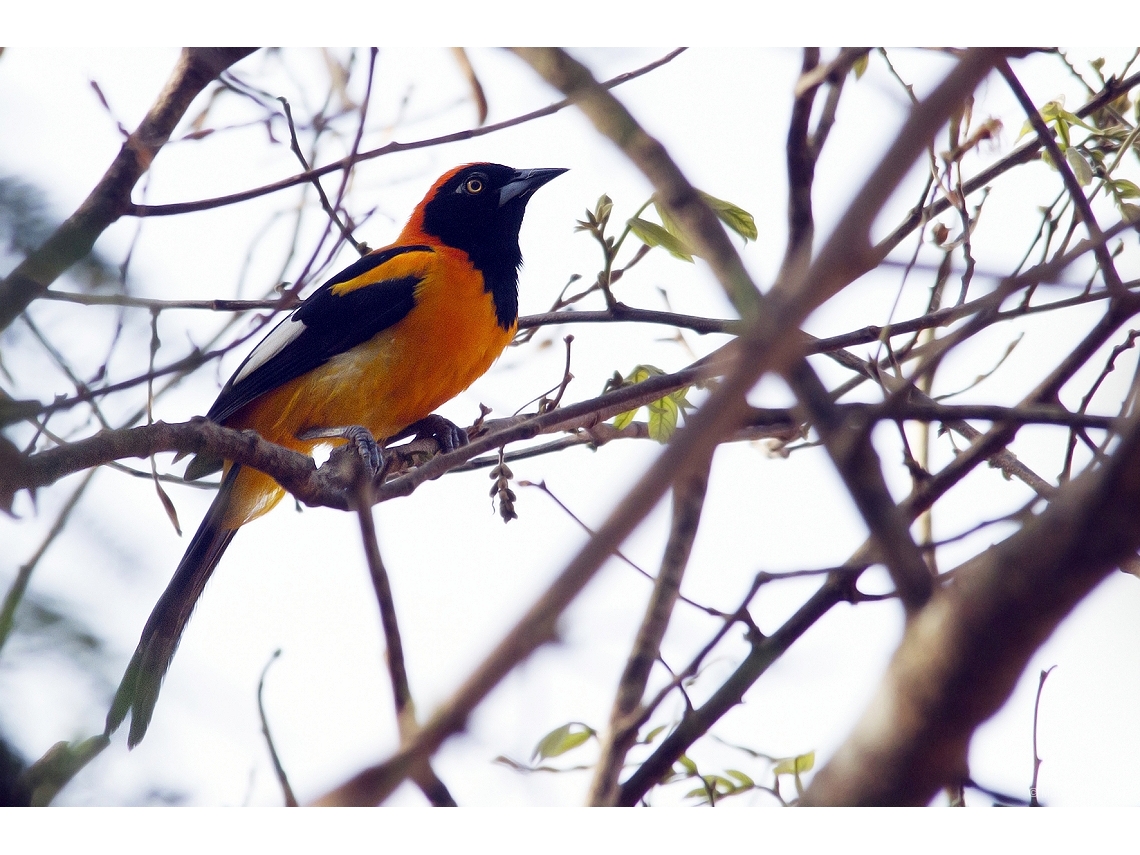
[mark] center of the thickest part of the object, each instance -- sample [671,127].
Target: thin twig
[390,148]
[19,585]
[688,502]
[422,773]
[278,769]
[1104,258]
[295,147]
[1037,757]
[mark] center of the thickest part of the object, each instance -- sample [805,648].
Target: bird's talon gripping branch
[359,437]
[447,433]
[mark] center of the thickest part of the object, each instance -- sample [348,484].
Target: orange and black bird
[379,346]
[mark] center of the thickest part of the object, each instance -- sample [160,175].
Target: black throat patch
[465,214]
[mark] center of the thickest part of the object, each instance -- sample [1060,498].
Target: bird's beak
[524,182]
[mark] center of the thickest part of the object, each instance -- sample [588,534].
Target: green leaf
[1073,119]
[1048,113]
[589,224]
[1124,188]
[795,765]
[744,780]
[642,372]
[652,234]
[670,224]
[805,762]
[603,208]
[1079,165]
[663,416]
[859,66]
[720,785]
[1052,109]
[639,373]
[562,739]
[1054,113]
[624,420]
[653,734]
[681,397]
[1062,127]
[688,764]
[48,775]
[664,413]
[733,216]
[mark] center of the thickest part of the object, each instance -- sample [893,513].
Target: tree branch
[390,148]
[1019,156]
[111,197]
[423,774]
[765,651]
[688,501]
[960,658]
[801,159]
[1100,249]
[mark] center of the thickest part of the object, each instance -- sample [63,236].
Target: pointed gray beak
[524,182]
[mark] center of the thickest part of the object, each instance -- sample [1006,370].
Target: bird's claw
[366,447]
[360,437]
[447,433]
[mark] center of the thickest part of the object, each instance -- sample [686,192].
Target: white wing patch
[281,336]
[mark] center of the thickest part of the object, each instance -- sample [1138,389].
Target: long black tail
[138,691]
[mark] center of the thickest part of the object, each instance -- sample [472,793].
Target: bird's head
[478,208]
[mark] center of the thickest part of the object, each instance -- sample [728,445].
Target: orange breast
[396,378]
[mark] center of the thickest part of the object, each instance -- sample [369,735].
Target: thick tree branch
[858,464]
[297,472]
[960,658]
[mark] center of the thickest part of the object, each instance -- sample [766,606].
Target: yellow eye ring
[474,185]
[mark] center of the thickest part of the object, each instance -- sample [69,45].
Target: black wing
[321,327]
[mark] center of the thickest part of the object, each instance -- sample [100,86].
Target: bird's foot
[359,437]
[449,435]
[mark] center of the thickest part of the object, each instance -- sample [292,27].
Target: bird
[377,347]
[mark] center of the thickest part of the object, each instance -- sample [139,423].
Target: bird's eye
[474,185]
